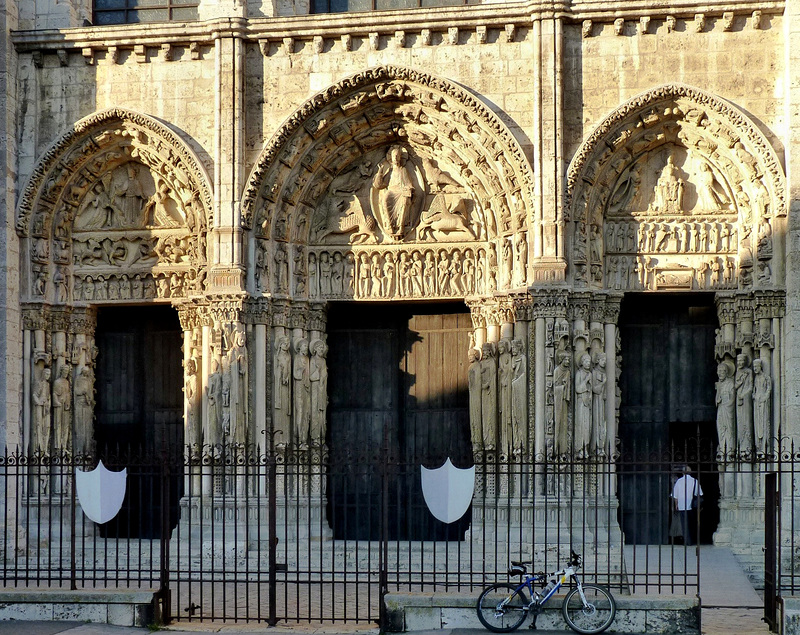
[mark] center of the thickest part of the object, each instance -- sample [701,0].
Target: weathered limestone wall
[10,333]
[483,58]
[608,63]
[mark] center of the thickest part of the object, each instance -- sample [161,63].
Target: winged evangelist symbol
[101,492]
[448,490]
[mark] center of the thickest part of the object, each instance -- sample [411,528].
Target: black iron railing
[233,533]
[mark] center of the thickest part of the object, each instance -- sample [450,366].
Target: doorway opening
[667,412]
[398,399]
[139,413]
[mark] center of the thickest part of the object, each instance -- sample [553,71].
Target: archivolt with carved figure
[676,190]
[388,157]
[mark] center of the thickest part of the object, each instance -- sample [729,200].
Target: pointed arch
[678,182]
[127,175]
[322,164]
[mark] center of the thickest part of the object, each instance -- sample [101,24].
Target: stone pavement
[79,628]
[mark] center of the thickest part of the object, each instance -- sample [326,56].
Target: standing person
[683,493]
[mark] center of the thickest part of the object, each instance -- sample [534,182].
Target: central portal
[398,380]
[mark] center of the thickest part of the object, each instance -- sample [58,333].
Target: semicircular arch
[677,189]
[383,168]
[117,208]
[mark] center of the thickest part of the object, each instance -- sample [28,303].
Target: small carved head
[487,350]
[586,361]
[517,346]
[723,371]
[600,360]
[742,360]
[671,22]
[504,346]
[758,366]
[473,355]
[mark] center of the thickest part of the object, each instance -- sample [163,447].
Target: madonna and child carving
[455,271]
[393,196]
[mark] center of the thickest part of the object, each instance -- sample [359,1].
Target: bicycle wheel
[593,617]
[501,608]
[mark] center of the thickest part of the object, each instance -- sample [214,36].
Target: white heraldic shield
[101,492]
[448,490]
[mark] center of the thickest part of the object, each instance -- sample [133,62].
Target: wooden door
[397,375]
[667,407]
[139,412]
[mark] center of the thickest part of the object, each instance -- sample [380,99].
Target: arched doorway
[667,412]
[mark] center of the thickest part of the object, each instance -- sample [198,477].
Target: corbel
[194,51]
[347,42]
[288,45]
[112,56]
[140,51]
[511,32]
[727,21]
[38,59]
[400,39]
[166,52]
[586,29]
[374,40]
[425,37]
[452,35]
[644,24]
[756,20]
[619,26]
[88,55]
[318,44]
[63,59]
[480,33]
[699,22]
[670,22]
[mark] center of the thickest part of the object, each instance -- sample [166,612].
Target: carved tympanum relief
[116,211]
[674,191]
[376,169]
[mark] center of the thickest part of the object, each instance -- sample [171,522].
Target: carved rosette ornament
[396,184]
[675,190]
[116,211]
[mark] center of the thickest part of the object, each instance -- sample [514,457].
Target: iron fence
[298,534]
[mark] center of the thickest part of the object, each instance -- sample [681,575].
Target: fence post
[164,591]
[272,530]
[771,548]
[383,581]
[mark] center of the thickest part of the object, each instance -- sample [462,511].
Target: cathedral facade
[530,179]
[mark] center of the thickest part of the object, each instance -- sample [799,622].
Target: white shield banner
[448,490]
[101,492]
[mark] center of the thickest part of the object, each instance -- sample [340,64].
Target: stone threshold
[409,612]
[114,606]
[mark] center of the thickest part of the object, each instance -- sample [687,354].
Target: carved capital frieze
[726,308]
[549,303]
[83,320]
[34,317]
[258,311]
[769,304]
[523,307]
[317,316]
[579,306]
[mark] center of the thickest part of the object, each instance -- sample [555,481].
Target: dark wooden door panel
[397,374]
[139,412]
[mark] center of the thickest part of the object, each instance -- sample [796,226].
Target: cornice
[361,24]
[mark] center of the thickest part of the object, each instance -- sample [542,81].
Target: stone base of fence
[119,608]
[789,615]
[409,612]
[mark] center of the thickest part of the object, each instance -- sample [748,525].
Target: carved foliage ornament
[120,190]
[381,129]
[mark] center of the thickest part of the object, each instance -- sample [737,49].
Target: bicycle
[587,608]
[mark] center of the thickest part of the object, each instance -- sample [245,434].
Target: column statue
[519,394]
[725,400]
[301,392]
[562,387]
[84,409]
[41,411]
[762,401]
[504,374]
[318,376]
[475,387]
[599,379]
[744,404]
[212,433]
[238,369]
[583,406]
[62,410]
[489,395]
[282,392]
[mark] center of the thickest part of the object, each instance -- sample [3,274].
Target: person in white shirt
[684,490]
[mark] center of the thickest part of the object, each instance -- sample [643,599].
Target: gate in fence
[299,535]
